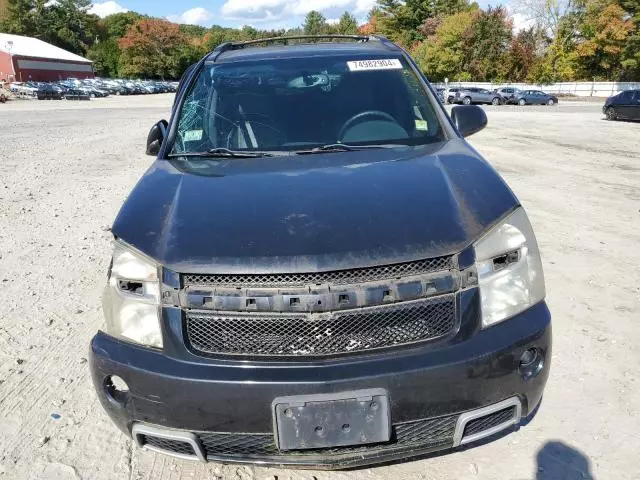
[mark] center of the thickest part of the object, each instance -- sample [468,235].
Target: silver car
[470,95]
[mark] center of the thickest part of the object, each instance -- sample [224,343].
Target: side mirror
[156,136]
[468,119]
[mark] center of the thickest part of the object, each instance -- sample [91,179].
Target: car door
[623,105]
[537,98]
[634,106]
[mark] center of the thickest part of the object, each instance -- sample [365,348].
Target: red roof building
[25,58]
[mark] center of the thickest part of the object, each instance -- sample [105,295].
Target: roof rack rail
[285,39]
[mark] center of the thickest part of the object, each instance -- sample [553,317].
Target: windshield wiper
[343,147]
[222,152]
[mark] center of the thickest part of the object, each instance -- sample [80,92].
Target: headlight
[509,269]
[131,300]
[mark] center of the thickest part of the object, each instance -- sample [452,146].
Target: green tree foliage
[485,43]
[116,25]
[153,48]
[402,20]
[106,57]
[64,23]
[443,54]
[348,25]
[315,24]
[603,34]
[455,39]
[521,54]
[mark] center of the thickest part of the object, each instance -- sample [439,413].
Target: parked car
[3,97]
[441,93]
[471,95]
[24,88]
[49,92]
[450,94]
[507,94]
[535,97]
[623,106]
[344,288]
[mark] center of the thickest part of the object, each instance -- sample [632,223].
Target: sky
[234,13]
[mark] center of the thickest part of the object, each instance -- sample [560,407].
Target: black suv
[318,269]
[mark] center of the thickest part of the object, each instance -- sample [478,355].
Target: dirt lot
[65,170]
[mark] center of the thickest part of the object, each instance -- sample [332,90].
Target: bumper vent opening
[485,422]
[168,445]
[488,422]
[176,443]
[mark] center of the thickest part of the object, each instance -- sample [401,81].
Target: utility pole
[9,47]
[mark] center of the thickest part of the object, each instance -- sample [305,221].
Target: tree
[486,41]
[315,23]
[348,25]
[64,23]
[106,57]
[371,26]
[20,17]
[442,55]
[604,31]
[74,28]
[401,20]
[630,56]
[117,24]
[521,55]
[153,48]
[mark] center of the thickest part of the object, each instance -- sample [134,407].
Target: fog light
[531,363]
[116,389]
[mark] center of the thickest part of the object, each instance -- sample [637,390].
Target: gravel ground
[66,168]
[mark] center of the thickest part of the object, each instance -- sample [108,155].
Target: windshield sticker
[192,135]
[382,64]
[422,125]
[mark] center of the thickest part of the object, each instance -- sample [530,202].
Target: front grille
[168,445]
[489,421]
[320,333]
[336,277]
[433,432]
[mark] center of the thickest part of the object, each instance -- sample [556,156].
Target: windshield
[293,104]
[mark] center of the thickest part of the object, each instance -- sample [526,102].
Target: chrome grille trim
[335,277]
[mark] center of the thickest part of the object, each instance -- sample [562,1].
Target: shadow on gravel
[557,460]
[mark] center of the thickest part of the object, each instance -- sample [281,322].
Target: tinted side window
[626,96]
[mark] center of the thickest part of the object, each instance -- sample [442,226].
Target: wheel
[522,102]
[466,101]
[611,114]
[495,101]
[550,102]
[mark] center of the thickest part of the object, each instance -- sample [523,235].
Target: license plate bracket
[350,418]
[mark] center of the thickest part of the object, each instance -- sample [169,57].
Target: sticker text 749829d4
[379,64]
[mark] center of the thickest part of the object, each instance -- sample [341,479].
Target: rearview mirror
[468,119]
[156,136]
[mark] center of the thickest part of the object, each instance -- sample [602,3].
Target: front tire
[611,114]
[495,101]
[466,101]
[522,102]
[550,102]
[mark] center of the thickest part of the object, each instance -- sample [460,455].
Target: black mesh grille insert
[168,445]
[422,433]
[489,421]
[320,334]
[336,277]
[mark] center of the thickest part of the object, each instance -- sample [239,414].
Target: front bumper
[224,406]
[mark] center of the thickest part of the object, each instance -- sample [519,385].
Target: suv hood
[317,212]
